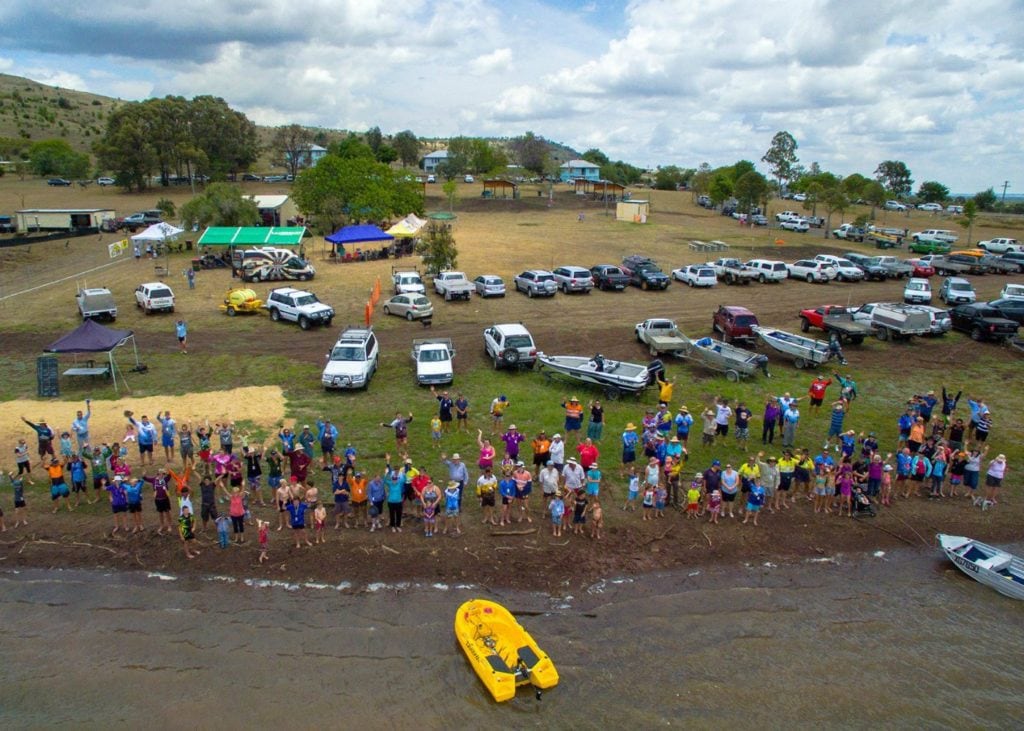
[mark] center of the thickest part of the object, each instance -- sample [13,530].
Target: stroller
[862,507]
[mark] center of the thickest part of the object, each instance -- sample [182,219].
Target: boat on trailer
[614,376]
[986,564]
[803,350]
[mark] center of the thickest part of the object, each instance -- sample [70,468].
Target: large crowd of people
[310,475]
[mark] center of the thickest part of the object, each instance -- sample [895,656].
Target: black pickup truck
[983,322]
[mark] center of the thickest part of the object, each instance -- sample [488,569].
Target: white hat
[456,456]
[512,426]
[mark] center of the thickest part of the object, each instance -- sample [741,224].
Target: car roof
[288,290]
[154,284]
[574,268]
[512,328]
[736,310]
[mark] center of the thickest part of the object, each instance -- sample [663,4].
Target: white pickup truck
[661,336]
[453,286]
[433,358]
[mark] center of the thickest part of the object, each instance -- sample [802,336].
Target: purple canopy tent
[357,235]
[91,337]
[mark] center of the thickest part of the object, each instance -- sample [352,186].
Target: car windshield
[961,286]
[348,353]
[306,299]
[518,341]
[917,286]
[295,263]
[160,293]
[746,320]
[433,356]
[411,280]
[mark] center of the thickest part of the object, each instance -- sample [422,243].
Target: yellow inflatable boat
[501,652]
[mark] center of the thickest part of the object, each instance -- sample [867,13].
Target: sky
[937,84]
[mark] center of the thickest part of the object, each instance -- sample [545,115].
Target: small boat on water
[614,376]
[501,652]
[986,564]
[803,350]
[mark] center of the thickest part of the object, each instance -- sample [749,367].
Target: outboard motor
[655,371]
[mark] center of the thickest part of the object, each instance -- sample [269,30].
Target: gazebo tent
[408,227]
[91,337]
[252,236]
[158,232]
[361,234]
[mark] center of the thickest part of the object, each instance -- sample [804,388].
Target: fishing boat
[614,376]
[501,652]
[715,355]
[803,350]
[986,564]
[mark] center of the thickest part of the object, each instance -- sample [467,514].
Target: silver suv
[353,359]
[288,303]
[536,283]
[573,279]
[510,346]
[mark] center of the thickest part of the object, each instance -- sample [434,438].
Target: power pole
[1006,184]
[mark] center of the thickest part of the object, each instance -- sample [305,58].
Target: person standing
[80,426]
[394,489]
[462,412]
[723,412]
[512,438]
[743,417]
[401,426]
[772,414]
[556,452]
[190,276]
[817,391]
[44,435]
[541,446]
[994,478]
[181,331]
[444,409]
[146,437]
[457,472]
[683,422]
[498,407]
[573,417]
[595,427]
[168,432]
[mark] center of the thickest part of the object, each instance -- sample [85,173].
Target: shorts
[207,511]
[435,435]
[143,448]
[971,478]
[135,507]
[506,500]
[751,508]
[592,490]
[78,486]
[238,524]
[185,450]
[58,491]
[342,508]
[539,460]
[96,482]
[299,526]
[452,513]
[729,497]
[722,430]
[801,474]
[785,480]
[163,505]
[525,492]
[556,520]
[956,479]
[487,501]
[633,495]
[820,490]
[743,432]
[980,436]
[816,401]
[119,509]
[992,481]
[274,481]
[235,481]
[573,424]
[913,446]
[19,503]
[166,440]
[659,504]
[693,507]
[835,431]
[628,456]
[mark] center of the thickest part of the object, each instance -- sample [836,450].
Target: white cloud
[489,63]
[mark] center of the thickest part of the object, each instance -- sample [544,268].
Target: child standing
[134,492]
[435,431]
[186,529]
[660,498]
[821,501]
[557,508]
[263,532]
[18,483]
[887,485]
[648,501]
[634,490]
[431,497]
[714,505]
[597,520]
[451,507]
[755,501]
[579,514]
[223,524]
[236,509]
[507,489]
[319,519]
[844,484]
[118,503]
[297,514]
[693,500]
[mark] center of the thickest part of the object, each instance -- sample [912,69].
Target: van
[917,292]
[268,264]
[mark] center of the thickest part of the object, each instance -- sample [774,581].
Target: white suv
[573,279]
[408,283]
[812,271]
[846,270]
[769,270]
[154,297]
[287,303]
[894,206]
[510,345]
[353,359]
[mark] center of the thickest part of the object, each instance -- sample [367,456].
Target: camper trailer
[268,264]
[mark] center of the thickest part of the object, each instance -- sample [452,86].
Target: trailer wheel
[231,311]
[612,393]
[732,376]
[800,363]
[856,339]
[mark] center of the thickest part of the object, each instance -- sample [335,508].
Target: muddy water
[901,640]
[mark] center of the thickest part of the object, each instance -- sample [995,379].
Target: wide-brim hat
[631,426]
[683,408]
[456,456]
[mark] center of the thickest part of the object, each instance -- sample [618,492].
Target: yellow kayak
[501,652]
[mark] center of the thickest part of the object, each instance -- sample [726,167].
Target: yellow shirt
[665,392]
[787,465]
[693,496]
[751,472]
[498,407]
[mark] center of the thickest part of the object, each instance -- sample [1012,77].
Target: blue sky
[939,85]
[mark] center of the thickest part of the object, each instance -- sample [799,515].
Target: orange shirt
[573,410]
[917,433]
[541,446]
[357,485]
[56,471]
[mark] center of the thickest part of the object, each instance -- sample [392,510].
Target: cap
[520,464]
[408,460]
[456,456]
[1000,457]
[699,474]
[503,397]
[359,474]
[593,465]
[716,463]
[293,478]
[572,459]
[888,468]
[118,478]
[549,463]
[661,436]
[631,426]
[305,426]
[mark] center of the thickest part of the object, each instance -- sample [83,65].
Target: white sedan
[696,275]
[812,271]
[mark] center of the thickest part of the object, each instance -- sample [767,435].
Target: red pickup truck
[837,319]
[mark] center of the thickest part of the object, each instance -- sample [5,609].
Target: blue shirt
[375,490]
[394,485]
[756,496]
[507,487]
[630,440]
[179,328]
[297,514]
[133,491]
[683,423]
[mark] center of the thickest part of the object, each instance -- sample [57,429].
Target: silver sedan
[489,285]
[409,306]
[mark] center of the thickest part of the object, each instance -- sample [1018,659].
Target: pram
[862,507]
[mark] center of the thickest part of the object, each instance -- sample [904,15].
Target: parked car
[769,270]
[800,226]
[871,268]
[105,181]
[812,271]
[96,303]
[573,279]
[940,322]
[468,179]
[1011,308]
[922,268]
[489,285]
[1015,257]
[696,275]
[704,202]
[353,359]
[894,321]
[933,207]
[982,322]
[410,306]
[759,220]
[510,346]
[846,270]
[7,225]
[431,178]
[849,232]
[644,273]
[299,306]
[58,182]
[1000,245]
[433,358]
[251,178]
[1012,292]
[268,263]
[935,234]
[453,286]
[956,290]
[536,283]
[917,291]
[154,297]
[609,276]
[894,206]
[734,323]
[958,210]
[732,270]
[408,282]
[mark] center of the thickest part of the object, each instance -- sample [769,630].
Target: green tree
[227,138]
[931,191]
[55,157]
[221,204]
[408,147]
[166,207]
[531,152]
[451,193]
[781,157]
[437,247]
[854,186]
[970,214]
[895,176]
[750,190]
[669,177]
[740,168]
[290,145]
[621,172]
[460,155]
[374,139]
[874,193]
[386,154]
[720,188]
[351,147]
[985,200]
[595,156]
[835,201]
[700,182]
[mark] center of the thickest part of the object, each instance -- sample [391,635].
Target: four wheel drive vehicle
[871,269]
[58,182]
[787,216]
[696,275]
[991,263]
[960,259]
[467,179]
[922,267]
[768,270]
[758,220]
[811,270]
[894,206]
[296,305]
[251,177]
[732,271]
[1016,258]
[660,336]
[935,234]
[353,359]
[410,306]
[885,238]
[797,226]
[7,225]
[894,321]
[956,291]
[1011,309]
[846,270]
[489,285]
[609,276]
[943,266]
[406,282]
[704,202]
[144,218]
[917,291]
[536,283]
[941,324]
[1001,245]
[930,246]
[103,182]
[983,322]
[734,323]
[644,273]
[240,300]
[837,319]
[270,264]
[958,210]
[510,346]
[96,304]
[849,232]
[154,297]
[1012,292]
[895,268]
[573,279]
[933,207]
[433,358]
[453,286]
